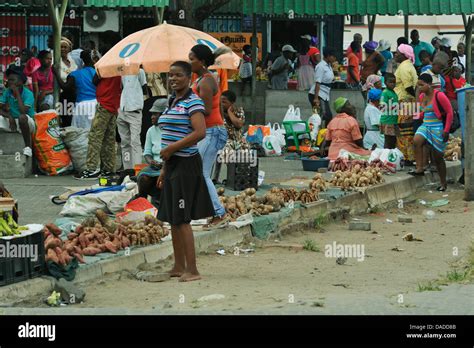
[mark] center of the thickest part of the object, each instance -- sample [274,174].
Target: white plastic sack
[279,133]
[391,158]
[314,124]
[271,145]
[76,140]
[110,201]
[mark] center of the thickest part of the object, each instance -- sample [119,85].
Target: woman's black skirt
[184,196]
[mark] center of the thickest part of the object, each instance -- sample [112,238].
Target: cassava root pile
[318,183]
[357,177]
[248,202]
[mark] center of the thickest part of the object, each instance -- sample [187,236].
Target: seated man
[16,107]
[372,115]
[343,131]
[149,175]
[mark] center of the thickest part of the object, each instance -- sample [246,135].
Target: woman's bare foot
[189,277]
[175,272]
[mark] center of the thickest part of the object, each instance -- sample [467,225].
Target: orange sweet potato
[110,247]
[59,253]
[77,250]
[91,251]
[79,257]
[52,256]
[54,229]
[125,242]
[67,258]
[72,235]
[83,241]
[53,243]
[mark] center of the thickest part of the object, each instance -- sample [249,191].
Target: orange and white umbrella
[156,48]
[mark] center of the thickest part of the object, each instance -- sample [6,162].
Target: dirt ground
[273,277]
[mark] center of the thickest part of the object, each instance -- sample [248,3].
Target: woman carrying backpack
[437,116]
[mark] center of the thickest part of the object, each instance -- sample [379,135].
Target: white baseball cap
[288,48]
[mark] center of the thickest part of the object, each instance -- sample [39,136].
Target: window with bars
[357,20]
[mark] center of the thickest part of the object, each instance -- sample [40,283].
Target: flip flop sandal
[415,173]
[441,189]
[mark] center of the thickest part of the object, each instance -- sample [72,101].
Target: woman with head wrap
[66,66]
[343,131]
[373,81]
[435,128]
[406,79]
[372,115]
[373,62]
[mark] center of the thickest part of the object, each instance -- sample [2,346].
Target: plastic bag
[136,210]
[50,150]
[391,158]
[271,146]
[76,140]
[292,114]
[279,133]
[256,133]
[314,123]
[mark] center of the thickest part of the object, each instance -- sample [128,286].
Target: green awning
[126,3]
[36,3]
[358,7]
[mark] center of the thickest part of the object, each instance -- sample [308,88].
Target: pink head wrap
[370,82]
[407,51]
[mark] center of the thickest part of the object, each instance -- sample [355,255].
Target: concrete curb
[394,189]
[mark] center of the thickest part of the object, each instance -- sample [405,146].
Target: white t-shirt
[323,73]
[373,136]
[132,92]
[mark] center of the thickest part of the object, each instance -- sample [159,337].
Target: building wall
[392,27]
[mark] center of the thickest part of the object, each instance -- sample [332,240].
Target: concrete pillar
[469,148]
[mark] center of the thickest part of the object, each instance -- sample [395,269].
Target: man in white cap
[281,67]
[384,49]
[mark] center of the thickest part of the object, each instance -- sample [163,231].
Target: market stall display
[248,202]
[100,234]
[8,226]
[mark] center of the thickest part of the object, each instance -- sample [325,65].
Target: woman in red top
[207,88]
[43,82]
[313,51]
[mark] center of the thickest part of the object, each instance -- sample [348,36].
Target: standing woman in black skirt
[184,193]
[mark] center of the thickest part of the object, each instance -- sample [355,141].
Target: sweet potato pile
[94,236]
[357,177]
[453,150]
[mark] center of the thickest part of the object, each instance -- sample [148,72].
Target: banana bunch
[8,226]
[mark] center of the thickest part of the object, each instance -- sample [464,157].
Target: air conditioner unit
[100,21]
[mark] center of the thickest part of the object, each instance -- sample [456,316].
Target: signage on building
[12,39]
[236,41]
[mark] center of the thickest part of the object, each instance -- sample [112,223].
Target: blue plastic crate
[311,165]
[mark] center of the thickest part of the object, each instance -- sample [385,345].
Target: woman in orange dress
[343,132]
